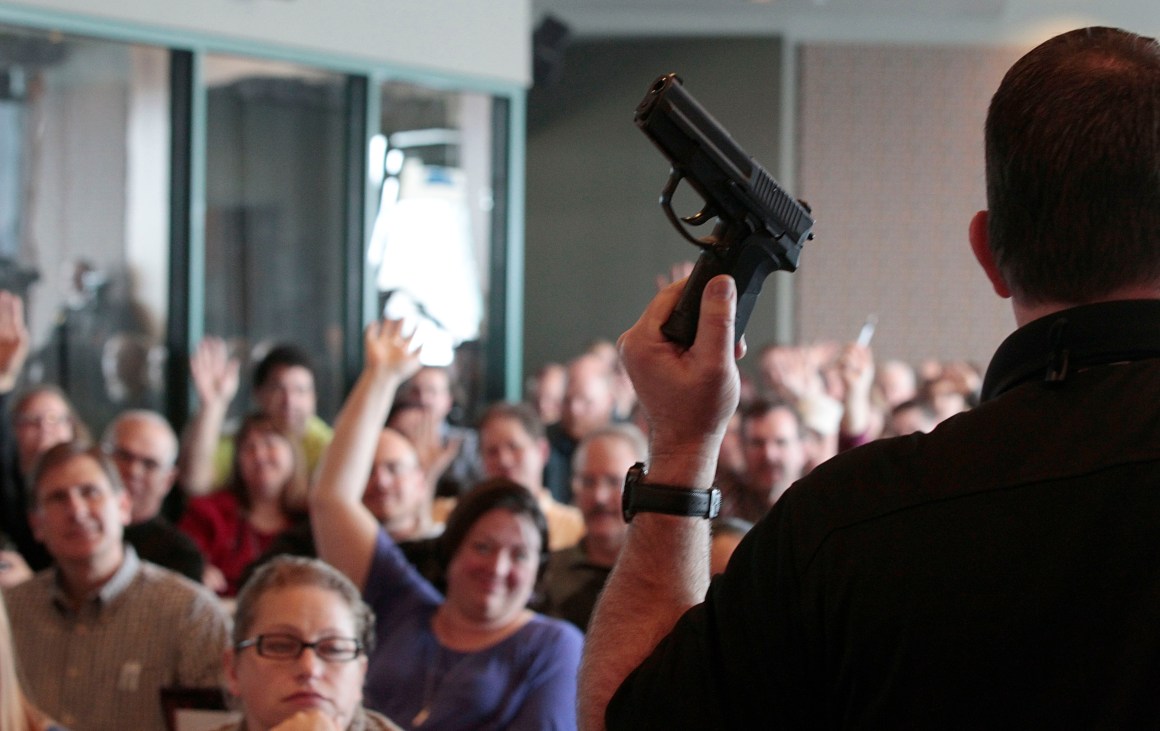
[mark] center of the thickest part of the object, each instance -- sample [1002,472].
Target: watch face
[635,473]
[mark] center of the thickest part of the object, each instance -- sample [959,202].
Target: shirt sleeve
[737,659]
[203,639]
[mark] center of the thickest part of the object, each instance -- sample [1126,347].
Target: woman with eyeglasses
[476,658]
[299,655]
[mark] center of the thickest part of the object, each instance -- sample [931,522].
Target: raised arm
[13,340]
[215,378]
[664,566]
[345,531]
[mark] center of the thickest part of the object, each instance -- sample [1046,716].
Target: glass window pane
[432,167]
[84,204]
[274,213]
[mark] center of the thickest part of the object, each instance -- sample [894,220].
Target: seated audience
[725,534]
[909,417]
[287,607]
[42,417]
[265,496]
[589,403]
[449,453]
[895,382]
[477,658]
[545,392]
[398,497]
[13,568]
[283,388]
[16,713]
[144,448]
[771,434]
[574,576]
[514,447]
[106,629]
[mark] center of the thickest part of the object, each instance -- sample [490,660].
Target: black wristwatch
[642,497]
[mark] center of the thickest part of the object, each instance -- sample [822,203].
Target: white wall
[976,22]
[484,39]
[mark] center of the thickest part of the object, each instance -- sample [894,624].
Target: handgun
[760,228]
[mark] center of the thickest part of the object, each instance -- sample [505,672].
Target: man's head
[144,448]
[284,387]
[909,417]
[896,382]
[546,392]
[41,418]
[771,433]
[512,445]
[78,508]
[396,491]
[589,398]
[1072,159]
[599,465]
[431,390]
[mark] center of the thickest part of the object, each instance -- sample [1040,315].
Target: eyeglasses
[28,421]
[289,647]
[592,481]
[125,457]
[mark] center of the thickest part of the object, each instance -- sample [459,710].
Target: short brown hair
[287,571]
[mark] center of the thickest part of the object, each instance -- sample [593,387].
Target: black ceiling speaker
[549,41]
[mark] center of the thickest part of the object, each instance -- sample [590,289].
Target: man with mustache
[575,576]
[775,457]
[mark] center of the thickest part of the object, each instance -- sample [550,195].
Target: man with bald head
[400,497]
[589,403]
[397,493]
[143,447]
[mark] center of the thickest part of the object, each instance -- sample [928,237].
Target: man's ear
[981,246]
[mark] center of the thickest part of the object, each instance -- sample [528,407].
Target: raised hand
[388,349]
[215,373]
[13,340]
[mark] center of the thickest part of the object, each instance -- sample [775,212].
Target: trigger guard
[666,201]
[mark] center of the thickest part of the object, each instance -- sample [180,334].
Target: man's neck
[409,528]
[1026,312]
[82,579]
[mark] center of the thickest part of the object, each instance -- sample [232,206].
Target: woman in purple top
[477,658]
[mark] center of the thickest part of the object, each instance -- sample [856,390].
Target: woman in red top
[266,495]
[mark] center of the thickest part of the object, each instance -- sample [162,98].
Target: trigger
[705,214]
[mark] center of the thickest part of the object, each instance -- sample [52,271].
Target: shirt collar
[1054,346]
[111,589]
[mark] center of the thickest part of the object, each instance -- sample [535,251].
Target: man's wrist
[692,465]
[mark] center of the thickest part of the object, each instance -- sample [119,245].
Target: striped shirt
[102,667]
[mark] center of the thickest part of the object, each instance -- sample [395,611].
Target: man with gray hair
[143,446]
[574,576]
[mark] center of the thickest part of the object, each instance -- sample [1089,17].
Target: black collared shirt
[1000,572]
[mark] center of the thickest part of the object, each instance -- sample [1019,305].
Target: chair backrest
[196,709]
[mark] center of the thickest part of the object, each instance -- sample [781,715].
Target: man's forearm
[198,447]
[663,570]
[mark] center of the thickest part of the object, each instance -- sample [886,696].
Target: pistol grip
[681,327]
[749,262]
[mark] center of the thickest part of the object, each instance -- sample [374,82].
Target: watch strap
[642,497]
